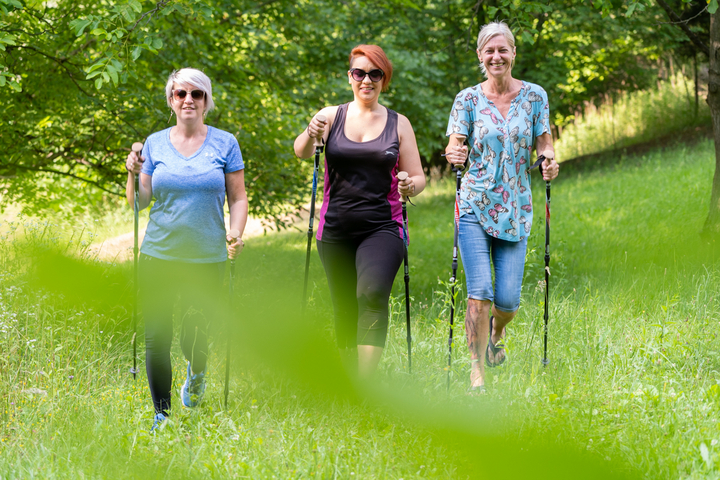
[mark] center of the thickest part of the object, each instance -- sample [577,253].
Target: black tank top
[360,193]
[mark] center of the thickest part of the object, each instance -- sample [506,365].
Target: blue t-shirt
[496,186]
[187,220]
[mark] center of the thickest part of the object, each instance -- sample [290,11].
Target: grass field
[632,389]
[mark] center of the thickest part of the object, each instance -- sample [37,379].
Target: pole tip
[137,147]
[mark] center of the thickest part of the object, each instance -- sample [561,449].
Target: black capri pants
[360,274]
[197,287]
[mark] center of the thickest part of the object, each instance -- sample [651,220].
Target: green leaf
[96,66]
[527,37]
[98,83]
[98,31]
[136,53]
[630,9]
[137,6]
[712,6]
[2,80]
[113,75]
[80,25]
[93,74]
[157,43]
[128,14]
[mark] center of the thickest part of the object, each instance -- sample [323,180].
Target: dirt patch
[120,248]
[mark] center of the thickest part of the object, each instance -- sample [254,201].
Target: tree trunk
[712,223]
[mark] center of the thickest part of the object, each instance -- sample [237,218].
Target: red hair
[377,56]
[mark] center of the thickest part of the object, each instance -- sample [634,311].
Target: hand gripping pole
[406,241]
[316,167]
[234,234]
[137,148]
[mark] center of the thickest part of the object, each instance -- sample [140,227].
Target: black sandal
[494,349]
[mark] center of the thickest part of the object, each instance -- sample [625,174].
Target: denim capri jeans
[508,262]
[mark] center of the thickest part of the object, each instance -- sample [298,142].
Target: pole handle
[137,148]
[318,141]
[402,176]
[234,234]
[461,141]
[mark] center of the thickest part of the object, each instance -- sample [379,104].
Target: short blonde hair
[195,78]
[491,30]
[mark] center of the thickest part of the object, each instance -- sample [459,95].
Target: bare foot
[476,376]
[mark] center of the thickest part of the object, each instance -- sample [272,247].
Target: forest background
[82,81]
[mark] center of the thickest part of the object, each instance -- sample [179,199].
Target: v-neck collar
[196,152]
[512,103]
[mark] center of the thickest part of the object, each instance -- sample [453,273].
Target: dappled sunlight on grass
[631,391]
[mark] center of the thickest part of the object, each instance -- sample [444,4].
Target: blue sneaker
[194,389]
[158,422]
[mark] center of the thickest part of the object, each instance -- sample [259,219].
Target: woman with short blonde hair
[189,169]
[503,119]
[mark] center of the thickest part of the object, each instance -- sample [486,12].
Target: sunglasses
[359,75]
[180,94]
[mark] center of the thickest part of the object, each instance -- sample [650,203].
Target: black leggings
[360,275]
[198,286]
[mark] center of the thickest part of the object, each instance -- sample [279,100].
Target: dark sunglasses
[359,75]
[180,94]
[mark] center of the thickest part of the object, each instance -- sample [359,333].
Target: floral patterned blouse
[496,186]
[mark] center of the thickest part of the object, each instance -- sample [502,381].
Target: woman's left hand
[234,248]
[406,188]
[550,168]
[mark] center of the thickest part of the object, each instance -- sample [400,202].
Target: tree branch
[691,35]
[66,174]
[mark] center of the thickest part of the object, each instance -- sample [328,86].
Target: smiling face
[187,109]
[365,90]
[497,55]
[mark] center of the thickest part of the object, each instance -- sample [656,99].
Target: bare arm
[409,160]
[238,206]
[133,164]
[305,142]
[544,146]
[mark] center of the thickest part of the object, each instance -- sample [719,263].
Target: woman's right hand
[134,163]
[316,128]
[456,155]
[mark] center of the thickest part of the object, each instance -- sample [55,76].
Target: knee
[478,307]
[374,296]
[504,314]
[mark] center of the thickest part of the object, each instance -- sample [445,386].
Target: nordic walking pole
[137,148]
[234,234]
[458,174]
[316,166]
[403,176]
[545,360]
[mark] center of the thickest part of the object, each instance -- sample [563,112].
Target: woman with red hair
[360,234]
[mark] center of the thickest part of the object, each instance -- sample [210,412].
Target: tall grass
[632,389]
[633,118]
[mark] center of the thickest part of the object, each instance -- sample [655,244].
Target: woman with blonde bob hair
[360,234]
[503,119]
[189,169]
